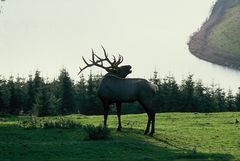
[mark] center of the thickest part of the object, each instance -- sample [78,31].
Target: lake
[150,34]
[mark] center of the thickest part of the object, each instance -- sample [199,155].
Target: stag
[116,88]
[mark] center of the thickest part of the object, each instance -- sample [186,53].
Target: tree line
[41,97]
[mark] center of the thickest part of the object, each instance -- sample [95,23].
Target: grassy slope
[213,137]
[226,34]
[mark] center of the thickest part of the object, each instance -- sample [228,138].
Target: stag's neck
[110,75]
[113,75]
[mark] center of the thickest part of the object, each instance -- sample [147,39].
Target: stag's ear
[116,70]
[113,70]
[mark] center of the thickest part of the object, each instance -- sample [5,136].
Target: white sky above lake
[151,34]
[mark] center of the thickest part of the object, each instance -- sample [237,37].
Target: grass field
[179,136]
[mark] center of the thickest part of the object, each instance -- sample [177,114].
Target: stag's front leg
[119,116]
[153,124]
[148,125]
[106,109]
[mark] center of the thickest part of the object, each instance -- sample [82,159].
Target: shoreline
[201,48]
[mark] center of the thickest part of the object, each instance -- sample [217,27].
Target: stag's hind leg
[148,124]
[151,120]
[119,116]
[149,113]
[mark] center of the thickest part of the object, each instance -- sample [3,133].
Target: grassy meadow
[226,34]
[179,136]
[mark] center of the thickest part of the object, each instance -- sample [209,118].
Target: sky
[49,35]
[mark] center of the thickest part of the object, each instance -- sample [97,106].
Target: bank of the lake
[218,39]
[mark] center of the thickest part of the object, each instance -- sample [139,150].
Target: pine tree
[90,109]
[168,95]
[200,100]
[56,96]
[66,93]
[155,80]
[174,94]
[34,89]
[93,104]
[45,102]
[21,91]
[188,94]
[97,102]
[237,100]
[42,103]
[203,99]
[219,98]
[37,83]
[14,102]
[230,101]
[81,94]
[3,105]
[30,94]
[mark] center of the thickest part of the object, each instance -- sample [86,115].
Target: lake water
[150,34]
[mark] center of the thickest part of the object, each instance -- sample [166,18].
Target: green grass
[179,136]
[226,34]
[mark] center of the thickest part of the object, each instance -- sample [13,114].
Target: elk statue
[116,88]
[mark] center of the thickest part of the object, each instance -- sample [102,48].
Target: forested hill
[218,40]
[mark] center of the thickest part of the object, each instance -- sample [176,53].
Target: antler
[115,62]
[99,61]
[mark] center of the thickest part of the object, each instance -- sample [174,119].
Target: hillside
[179,136]
[218,40]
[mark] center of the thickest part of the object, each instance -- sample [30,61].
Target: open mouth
[130,71]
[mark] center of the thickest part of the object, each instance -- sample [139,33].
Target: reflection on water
[49,35]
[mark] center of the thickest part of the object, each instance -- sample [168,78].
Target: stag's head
[113,65]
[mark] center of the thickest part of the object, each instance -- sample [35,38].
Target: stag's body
[115,88]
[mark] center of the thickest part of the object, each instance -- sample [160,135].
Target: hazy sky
[151,34]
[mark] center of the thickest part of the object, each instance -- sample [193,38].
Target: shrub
[62,123]
[59,122]
[29,123]
[97,132]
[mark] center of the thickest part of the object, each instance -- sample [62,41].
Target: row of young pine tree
[41,97]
